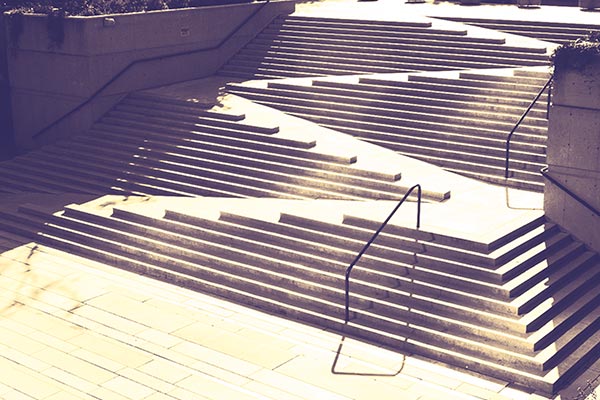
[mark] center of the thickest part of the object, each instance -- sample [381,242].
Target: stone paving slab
[139,338]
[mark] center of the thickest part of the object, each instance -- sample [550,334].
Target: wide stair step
[294,46]
[408,47]
[558,32]
[524,299]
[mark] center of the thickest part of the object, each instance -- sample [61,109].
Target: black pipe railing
[144,60]
[375,235]
[523,116]
[568,191]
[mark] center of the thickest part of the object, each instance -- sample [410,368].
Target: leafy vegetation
[577,54]
[97,7]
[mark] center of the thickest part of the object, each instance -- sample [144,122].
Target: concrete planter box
[573,152]
[529,3]
[589,4]
[470,2]
[48,79]
[578,88]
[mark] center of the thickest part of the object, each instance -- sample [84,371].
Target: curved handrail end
[523,116]
[372,239]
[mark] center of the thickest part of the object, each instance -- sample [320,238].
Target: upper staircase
[459,121]
[299,46]
[521,305]
[556,32]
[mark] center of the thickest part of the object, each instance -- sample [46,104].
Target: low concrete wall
[47,79]
[574,154]
[6,131]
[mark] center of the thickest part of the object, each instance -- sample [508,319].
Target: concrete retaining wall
[47,79]
[574,153]
[6,132]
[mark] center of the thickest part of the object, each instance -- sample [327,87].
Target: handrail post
[507,156]
[510,135]
[418,206]
[372,239]
[347,299]
[548,102]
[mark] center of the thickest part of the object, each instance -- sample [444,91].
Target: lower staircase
[523,305]
[459,121]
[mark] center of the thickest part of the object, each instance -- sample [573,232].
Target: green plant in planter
[57,10]
[97,7]
[577,54]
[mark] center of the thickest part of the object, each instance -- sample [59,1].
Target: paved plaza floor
[71,328]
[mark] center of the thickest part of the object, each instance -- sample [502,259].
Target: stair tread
[148,135]
[423,33]
[350,57]
[410,47]
[387,107]
[179,171]
[182,106]
[368,94]
[276,169]
[383,85]
[464,43]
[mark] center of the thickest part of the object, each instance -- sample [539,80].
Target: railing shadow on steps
[144,60]
[336,370]
[370,242]
[546,174]
[523,116]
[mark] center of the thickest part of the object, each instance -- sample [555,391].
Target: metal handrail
[523,116]
[368,244]
[143,60]
[546,174]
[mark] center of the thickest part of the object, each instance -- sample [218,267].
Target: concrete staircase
[299,46]
[521,306]
[459,121]
[556,32]
[153,145]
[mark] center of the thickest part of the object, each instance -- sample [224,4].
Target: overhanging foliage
[577,54]
[98,7]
